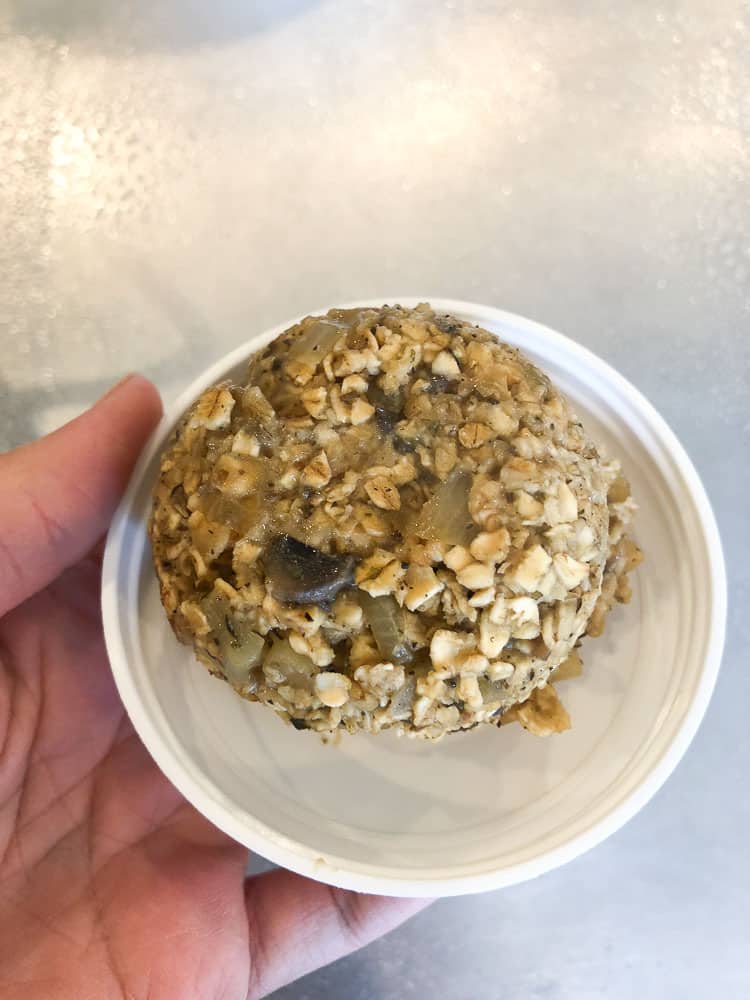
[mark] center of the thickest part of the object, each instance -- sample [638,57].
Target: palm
[96,846]
[111,885]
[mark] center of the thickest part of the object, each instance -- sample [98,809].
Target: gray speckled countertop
[174,175]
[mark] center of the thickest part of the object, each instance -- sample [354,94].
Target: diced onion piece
[255,404]
[240,515]
[492,691]
[402,701]
[316,342]
[215,607]
[240,648]
[298,670]
[445,517]
[386,620]
[239,656]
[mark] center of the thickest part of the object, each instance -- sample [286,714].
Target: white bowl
[476,811]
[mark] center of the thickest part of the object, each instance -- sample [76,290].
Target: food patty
[396,521]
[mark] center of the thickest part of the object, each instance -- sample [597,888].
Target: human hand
[111,884]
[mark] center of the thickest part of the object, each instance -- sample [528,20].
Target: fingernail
[116,387]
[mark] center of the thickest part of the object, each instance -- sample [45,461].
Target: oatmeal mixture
[395,522]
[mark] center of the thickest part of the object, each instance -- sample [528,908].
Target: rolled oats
[384,493]
[361,412]
[476,576]
[492,546]
[421,585]
[493,635]
[445,365]
[523,617]
[473,434]
[317,473]
[529,569]
[397,522]
[332,688]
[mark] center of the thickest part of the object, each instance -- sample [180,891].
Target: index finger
[59,493]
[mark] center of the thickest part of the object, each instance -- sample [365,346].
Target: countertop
[175,175]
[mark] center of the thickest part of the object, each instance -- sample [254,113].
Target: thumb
[59,493]
[297,925]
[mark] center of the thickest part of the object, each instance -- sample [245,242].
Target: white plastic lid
[478,810]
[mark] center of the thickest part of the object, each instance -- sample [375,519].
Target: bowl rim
[297,856]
